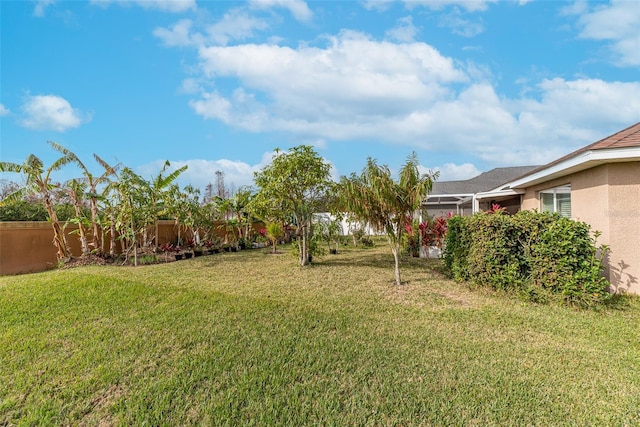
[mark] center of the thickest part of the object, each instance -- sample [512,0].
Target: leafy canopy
[290,189]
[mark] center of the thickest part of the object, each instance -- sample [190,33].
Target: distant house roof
[623,146]
[483,182]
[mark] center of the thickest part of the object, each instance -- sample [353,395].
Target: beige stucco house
[598,184]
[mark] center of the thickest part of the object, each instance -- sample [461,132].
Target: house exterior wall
[624,226]
[606,197]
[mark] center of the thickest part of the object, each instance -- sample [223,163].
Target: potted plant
[168,247]
[198,250]
[190,244]
[432,235]
[213,246]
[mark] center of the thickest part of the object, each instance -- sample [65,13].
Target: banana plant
[76,191]
[93,183]
[38,181]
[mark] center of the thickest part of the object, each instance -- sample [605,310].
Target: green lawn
[251,339]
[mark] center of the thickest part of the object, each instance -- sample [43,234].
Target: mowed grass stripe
[251,339]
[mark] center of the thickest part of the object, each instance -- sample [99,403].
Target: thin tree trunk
[84,245]
[83,236]
[179,227]
[135,249]
[155,232]
[395,249]
[302,248]
[112,243]
[145,237]
[59,239]
[97,245]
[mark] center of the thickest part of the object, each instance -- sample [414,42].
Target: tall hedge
[540,255]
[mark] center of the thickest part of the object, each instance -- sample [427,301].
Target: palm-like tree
[39,182]
[130,194]
[387,205]
[274,233]
[77,190]
[93,183]
[160,189]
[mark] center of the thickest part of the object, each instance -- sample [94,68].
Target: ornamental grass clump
[539,255]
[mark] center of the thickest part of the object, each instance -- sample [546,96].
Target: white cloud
[461,26]
[352,81]
[234,25]
[202,172]
[565,106]
[453,172]
[453,14]
[172,6]
[468,5]
[377,5]
[617,23]
[407,94]
[50,112]
[41,6]
[178,35]
[213,106]
[191,86]
[4,111]
[298,8]
[405,31]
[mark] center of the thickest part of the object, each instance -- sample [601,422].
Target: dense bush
[23,210]
[540,255]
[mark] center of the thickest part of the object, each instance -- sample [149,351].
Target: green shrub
[565,260]
[23,210]
[366,241]
[456,250]
[538,255]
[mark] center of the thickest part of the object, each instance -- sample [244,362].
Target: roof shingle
[484,182]
[629,137]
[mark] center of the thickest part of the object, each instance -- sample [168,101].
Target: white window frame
[559,203]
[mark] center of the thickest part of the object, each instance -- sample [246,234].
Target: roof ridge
[610,141]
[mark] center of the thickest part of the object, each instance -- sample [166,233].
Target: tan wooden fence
[27,246]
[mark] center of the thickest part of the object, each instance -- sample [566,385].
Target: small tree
[92,182]
[39,182]
[77,190]
[159,191]
[294,186]
[330,231]
[131,195]
[388,206]
[274,234]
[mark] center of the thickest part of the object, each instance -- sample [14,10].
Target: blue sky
[468,85]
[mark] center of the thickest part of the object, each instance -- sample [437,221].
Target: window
[557,200]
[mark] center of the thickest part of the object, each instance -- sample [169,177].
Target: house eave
[584,161]
[499,194]
[458,195]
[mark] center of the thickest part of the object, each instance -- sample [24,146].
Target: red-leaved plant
[432,232]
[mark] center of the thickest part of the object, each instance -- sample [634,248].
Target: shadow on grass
[360,259]
[621,302]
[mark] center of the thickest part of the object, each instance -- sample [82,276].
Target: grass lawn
[249,338]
